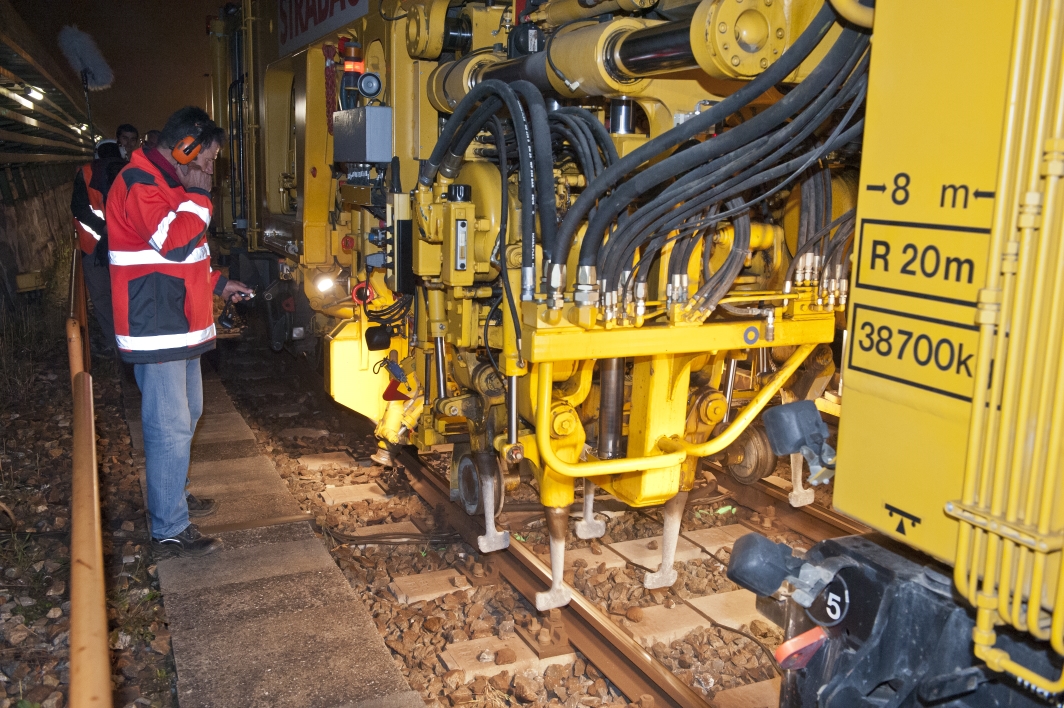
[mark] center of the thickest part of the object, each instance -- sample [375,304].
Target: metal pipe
[611,407]
[654,50]
[90,657]
[976,475]
[441,367]
[729,388]
[749,412]
[532,67]
[428,368]
[621,116]
[251,125]
[513,418]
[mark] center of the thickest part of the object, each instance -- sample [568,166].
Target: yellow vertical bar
[965,567]
[1003,436]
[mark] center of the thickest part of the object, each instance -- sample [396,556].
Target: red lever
[795,653]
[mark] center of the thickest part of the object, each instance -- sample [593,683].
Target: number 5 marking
[833,609]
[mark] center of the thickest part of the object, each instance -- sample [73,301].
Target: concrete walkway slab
[221,428]
[269,619]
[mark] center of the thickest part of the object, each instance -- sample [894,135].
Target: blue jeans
[171,404]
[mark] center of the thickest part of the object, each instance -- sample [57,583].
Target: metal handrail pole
[90,656]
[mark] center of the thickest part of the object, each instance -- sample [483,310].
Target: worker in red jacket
[158,213]
[91,184]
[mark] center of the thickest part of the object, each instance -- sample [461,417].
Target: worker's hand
[193,177]
[235,291]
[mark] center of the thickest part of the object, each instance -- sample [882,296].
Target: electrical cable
[498,129]
[386,18]
[550,61]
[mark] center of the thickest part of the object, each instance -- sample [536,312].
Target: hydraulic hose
[479,93]
[602,137]
[464,108]
[578,146]
[785,65]
[583,142]
[752,129]
[795,167]
[496,127]
[470,128]
[660,215]
[544,161]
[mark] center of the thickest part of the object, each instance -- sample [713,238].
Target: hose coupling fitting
[555,285]
[528,283]
[609,310]
[640,299]
[451,165]
[586,290]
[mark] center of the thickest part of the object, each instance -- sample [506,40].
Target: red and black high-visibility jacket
[161,277]
[87,205]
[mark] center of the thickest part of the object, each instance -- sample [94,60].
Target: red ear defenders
[187,148]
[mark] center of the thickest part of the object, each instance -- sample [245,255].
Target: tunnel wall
[35,222]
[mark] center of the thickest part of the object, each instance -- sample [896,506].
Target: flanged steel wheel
[750,457]
[469,485]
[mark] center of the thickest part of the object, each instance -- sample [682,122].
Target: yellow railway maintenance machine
[599,241]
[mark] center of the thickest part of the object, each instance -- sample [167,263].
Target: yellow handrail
[675,449]
[90,655]
[746,416]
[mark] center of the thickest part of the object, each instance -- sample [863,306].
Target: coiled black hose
[787,63]
[758,126]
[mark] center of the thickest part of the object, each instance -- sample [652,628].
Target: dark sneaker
[189,542]
[200,507]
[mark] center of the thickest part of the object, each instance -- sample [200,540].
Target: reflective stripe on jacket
[87,205]
[161,277]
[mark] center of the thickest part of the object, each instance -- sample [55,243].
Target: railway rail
[627,664]
[630,666]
